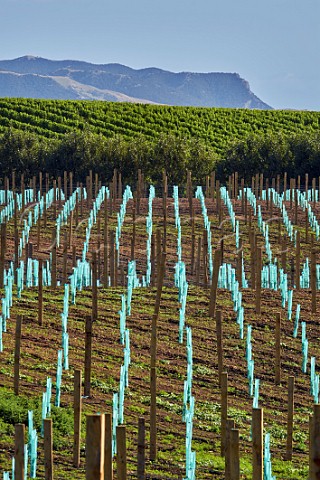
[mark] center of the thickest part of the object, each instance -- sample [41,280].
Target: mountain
[36,77]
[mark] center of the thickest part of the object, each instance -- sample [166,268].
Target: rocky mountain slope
[35,77]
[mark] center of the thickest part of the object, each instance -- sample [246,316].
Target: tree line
[81,151]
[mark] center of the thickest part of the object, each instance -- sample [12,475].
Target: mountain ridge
[117,82]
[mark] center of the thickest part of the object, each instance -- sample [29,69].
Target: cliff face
[34,77]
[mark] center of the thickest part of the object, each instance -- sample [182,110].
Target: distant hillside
[35,77]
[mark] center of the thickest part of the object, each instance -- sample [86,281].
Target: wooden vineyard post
[87,357]
[273,183]
[17,354]
[48,449]
[141,449]
[40,293]
[94,287]
[16,251]
[113,266]
[189,191]
[297,269]
[96,185]
[121,453]
[278,183]
[252,253]
[246,207]
[239,264]
[59,193]
[164,198]
[47,183]
[19,434]
[295,207]
[153,358]
[221,217]
[307,227]
[219,343]
[70,184]
[285,185]
[261,184]
[74,256]
[256,183]
[119,185]
[108,466]
[45,210]
[153,260]
[65,184]
[65,259]
[290,191]
[278,350]
[95,447]
[54,260]
[55,198]
[224,411]
[111,199]
[153,414]
[70,242]
[257,443]
[234,455]
[229,426]
[133,239]
[90,186]
[258,280]
[159,250]
[115,185]
[13,181]
[214,284]
[39,223]
[205,258]
[77,407]
[314,473]
[138,196]
[6,189]
[212,184]
[313,281]
[268,197]
[193,241]
[81,200]
[229,185]
[236,185]
[160,283]
[76,209]
[198,265]
[292,269]
[242,195]
[218,199]
[290,418]
[207,186]
[122,275]
[271,205]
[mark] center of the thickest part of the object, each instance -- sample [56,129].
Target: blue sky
[273,44]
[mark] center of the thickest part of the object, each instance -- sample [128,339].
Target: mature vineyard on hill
[187,321]
[51,136]
[216,126]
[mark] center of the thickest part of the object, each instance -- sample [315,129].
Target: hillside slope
[39,78]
